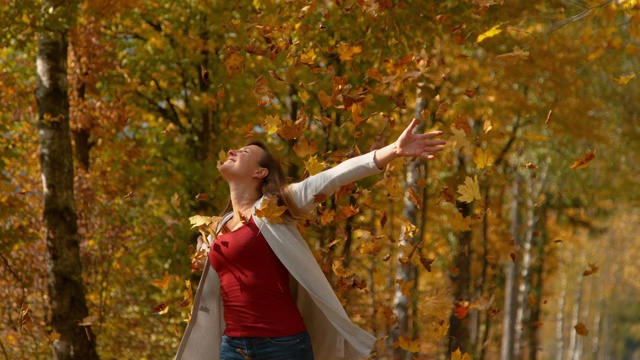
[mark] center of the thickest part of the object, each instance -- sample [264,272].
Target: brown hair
[275,183]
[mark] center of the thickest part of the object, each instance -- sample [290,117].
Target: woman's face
[243,163]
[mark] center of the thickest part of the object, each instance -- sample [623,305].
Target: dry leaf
[314,166]
[270,210]
[164,282]
[593,269]
[470,190]
[581,329]
[584,162]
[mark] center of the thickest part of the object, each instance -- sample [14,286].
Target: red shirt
[254,286]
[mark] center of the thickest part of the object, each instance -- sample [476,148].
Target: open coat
[333,335]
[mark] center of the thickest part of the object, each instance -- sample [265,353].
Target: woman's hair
[275,183]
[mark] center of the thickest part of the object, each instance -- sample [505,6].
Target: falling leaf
[442,109]
[164,282]
[530,166]
[581,329]
[347,51]
[459,138]
[470,190]
[175,201]
[304,148]
[314,166]
[325,100]
[483,158]
[487,126]
[513,57]
[233,64]
[470,93]
[161,309]
[202,197]
[319,198]
[270,210]
[460,223]
[271,124]
[593,269]
[532,300]
[457,355]
[461,311]
[348,211]
[415,198]
[290,130]
[426,262]
[222,157]
[261,88]
[304,96]
[26,322]
[437,304]
[351,281]
[327,217]
[548,117]
[584,162]
[408,344]
[624,79]
[374,74]
[410,230]
[489,33]
[89,320]
[308,57]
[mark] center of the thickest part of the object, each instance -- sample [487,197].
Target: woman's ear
[262,173]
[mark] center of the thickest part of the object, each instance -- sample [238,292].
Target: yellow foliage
[314,166]
[470,190]
[489,33]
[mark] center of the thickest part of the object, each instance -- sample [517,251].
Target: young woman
[262,293]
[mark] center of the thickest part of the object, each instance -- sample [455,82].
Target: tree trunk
[509,311]
[66,288]
[405,273]
[560,315]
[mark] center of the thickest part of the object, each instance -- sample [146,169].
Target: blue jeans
[294,347]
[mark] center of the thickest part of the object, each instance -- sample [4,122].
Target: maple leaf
[290,130]
[304,148]
[314,166]
[261,88]
[164,282]
[593,269]
[483,158]
[460,138]
[410,230]
[348,211]
[270,210]
[489,33]
[325,100]
[233,64]
[271,124]
[584,162]
[457,355]
[308,58]
[470,190]
[581,329]
[460,223]
[327,217]
[356,113]
[347,51]
[408,344]
[437,304]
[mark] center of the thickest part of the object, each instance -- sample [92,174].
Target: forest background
[518,242]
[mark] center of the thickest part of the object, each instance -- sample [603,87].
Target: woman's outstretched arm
[409,144]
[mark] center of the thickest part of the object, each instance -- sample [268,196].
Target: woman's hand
[409,144]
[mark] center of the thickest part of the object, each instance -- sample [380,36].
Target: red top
[254,286]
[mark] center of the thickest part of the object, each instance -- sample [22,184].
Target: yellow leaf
[483,158]
[270,210]
[594,55]
[313,166]
[271,124]
[584,162]
[410,230]
[233,64]
[347,51]
[408,344]
[624,79]
[470,190]
[356,113]
[407,287]
[457,355]
[415,198]
[487,126]
[460,223]
[304,96]
[164,282]
[304,148]
[489,33]
[459,138]
[325,100]
[437,305]
[327,217]
[308,57]
[374,74]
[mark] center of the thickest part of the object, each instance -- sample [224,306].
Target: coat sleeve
[329,181]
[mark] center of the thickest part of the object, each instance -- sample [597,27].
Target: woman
[245,307]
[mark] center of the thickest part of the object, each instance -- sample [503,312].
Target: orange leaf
[164,282]
[593,269]
[318,198]
[270,210]
[584,162]
[415,198]
[461,311]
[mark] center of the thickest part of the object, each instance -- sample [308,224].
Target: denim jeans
[294,347]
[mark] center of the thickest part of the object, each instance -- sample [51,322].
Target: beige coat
[333,335]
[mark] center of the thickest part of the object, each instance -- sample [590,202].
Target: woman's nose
[231,152]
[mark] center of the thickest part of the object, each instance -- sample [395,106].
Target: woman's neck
[242,200]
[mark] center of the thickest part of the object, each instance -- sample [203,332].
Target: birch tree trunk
[66,287]
[405,274]
[509,312]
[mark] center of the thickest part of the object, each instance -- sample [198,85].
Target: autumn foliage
[522,241]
